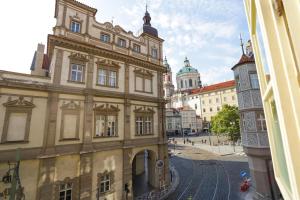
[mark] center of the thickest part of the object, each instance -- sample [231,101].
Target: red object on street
[245,186]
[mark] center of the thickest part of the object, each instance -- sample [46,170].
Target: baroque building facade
[253,127]
[91,108]
[274,30]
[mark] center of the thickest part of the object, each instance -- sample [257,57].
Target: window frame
[257,80]
[154,55]
[77,59]
[108,66]
[70,108]
[102,38]
[99,182]
[19,105]
[144,113]
[106,111]
[136,48]
[143,74]
[79,22]
[122,41]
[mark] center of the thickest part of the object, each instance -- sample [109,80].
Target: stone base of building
[262,174]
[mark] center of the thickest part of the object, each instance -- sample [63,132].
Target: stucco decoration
[244,79]
[247,99]
[263,139]
[256,98]
[20,103]
[252,139]
[250,121]
[71,105]
[106,108]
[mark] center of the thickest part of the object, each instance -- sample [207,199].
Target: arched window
[185,84]
[181,84]
[190,83]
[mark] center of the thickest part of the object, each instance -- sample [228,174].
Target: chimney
[37,61]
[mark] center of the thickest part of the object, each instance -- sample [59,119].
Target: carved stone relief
[250,124]
[257,102]
[247,99]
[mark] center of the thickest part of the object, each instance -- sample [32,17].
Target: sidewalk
[221,150]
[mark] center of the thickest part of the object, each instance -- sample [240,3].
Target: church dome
[187,68]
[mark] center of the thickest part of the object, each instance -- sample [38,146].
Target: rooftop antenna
[112,20]
[242,44]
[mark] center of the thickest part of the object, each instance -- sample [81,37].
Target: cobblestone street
[207,176]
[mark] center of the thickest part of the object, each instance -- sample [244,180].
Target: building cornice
[68,43]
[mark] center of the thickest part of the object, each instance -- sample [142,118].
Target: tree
[227,122]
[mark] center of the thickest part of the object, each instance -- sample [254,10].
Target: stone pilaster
[85,177]
[51,122]
[45,190]
[127,174]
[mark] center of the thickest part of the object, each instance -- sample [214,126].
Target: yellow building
[274,29]
[90,114]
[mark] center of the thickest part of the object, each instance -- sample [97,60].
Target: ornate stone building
[253,127]
[89,111]
[168,83]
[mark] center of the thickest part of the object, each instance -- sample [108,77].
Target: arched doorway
[143,172]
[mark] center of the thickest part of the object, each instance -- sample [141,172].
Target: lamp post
[232,123]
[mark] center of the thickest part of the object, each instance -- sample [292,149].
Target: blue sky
[206,31]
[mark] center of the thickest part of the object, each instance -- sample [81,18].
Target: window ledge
[102,194]
[105,136]
[141,91]
[145,134]
[76,82]
[68,139]
[15,142]
[108,86]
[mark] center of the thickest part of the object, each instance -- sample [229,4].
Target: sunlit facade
[274,29]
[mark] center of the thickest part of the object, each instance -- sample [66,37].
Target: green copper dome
[187,68]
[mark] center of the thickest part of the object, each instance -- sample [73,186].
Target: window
[105,37]
[217,100]
[107,74]
[76,73]
[17,120]
[104,183]
[106,121]
[143,81]
[106,125]
[136,48]
[75,27]
[210,109]
[261,122]
[181,83]
[190,83]
[65,191]
[203,109]
[121,43]
[196,106]
[218,108]
[143,121]
[254,81]
[238,83]
[70,117]
[154,53]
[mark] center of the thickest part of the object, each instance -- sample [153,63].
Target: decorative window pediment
[17,120]
[143,72]
[19,103]
[79,57]
[144,110]
[70,105]
[108,63]
[106,108]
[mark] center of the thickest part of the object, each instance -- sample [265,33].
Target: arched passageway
[143,172]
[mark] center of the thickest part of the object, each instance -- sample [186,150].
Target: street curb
[174,185]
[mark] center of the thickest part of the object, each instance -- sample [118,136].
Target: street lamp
[232,123]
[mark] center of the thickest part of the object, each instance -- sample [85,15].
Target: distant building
[253,127]
[173,122]
[168,84]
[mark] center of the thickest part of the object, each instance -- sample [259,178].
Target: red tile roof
[213,87]
[244,59]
